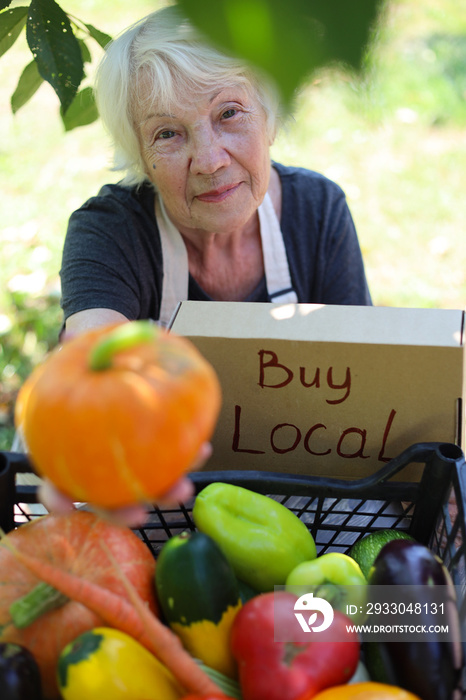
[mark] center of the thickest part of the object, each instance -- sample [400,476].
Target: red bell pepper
[297,670]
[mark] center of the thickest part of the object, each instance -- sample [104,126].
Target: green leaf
[101,38]
[55,48]
[82,110]
[11,24]
[86,54]
[4,3]
[288,40]
[348,28]
[29,82]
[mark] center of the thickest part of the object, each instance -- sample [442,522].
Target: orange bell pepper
[364,691]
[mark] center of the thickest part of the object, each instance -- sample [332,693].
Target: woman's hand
[131,516]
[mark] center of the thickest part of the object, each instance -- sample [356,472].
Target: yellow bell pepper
[337,578]
[105,663]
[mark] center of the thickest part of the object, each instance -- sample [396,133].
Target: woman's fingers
[131,516]
[180,492]
[53,500]
[202,456]
[134,515]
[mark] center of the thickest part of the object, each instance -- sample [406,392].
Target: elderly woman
[202,212]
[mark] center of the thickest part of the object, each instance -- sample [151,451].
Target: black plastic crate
[337,512]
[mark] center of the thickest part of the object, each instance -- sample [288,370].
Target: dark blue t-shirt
[112,256]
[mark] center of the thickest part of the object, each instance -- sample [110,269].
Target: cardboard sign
[328,390]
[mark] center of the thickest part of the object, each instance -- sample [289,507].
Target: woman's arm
[90,318]
[135,515]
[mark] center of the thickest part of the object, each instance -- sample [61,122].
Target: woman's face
[208,159]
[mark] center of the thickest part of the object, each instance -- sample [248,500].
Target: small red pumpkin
[116,415]
[74,543]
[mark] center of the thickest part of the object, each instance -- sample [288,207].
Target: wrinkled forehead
[170,89]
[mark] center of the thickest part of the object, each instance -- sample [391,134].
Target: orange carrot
[116,612]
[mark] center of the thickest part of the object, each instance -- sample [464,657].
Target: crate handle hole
[4,464]
[450,451]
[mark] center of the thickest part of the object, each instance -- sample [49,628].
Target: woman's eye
[166,134]
[229,113]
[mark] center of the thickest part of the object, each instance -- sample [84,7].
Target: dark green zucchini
[199,596]
[246,591]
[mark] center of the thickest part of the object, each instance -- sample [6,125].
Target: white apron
[175,260]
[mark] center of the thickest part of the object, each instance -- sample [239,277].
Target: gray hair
[178,61]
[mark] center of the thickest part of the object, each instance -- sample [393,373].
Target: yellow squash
[106,664]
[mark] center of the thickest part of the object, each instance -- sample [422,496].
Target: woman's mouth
[219,194]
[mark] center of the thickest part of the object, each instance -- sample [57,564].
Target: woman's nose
[208,153]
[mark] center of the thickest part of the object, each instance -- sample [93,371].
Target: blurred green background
[395,141]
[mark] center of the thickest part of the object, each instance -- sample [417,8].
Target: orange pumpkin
[116,415]
[365,691]
[74,543]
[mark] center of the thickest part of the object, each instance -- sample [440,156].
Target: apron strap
[277,271]
[176,269]
[175,264]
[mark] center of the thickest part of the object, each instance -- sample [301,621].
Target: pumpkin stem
[122,338]
[41,599]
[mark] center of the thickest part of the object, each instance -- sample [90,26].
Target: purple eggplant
[429,669]
[19,674]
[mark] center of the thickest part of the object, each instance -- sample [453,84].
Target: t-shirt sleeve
[102,258]
[342,274]
[322,245]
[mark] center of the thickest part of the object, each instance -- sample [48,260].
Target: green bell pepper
[263,540]
[337,578]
